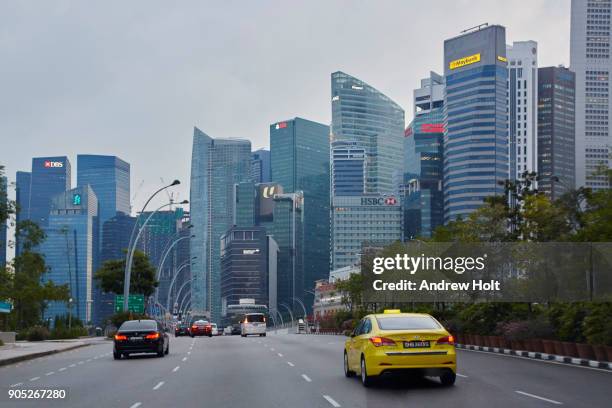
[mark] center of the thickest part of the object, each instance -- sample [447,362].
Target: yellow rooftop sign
[461,62]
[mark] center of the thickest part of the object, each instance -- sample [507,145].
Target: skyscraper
[3,225]
[69,249]
[348,167]
[475,134]
[556,132]
[50,176]
[22,200]
[422,198]
[362,114]
[299,150]
[216,166]
[590,61]
[260,166]
[522,107]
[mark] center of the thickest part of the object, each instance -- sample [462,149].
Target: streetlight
[163,259]
[70,313]
[183,266]
[180,291]
[290,313]
[301,304]
[132,247]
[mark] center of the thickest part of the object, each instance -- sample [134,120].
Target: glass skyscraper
[362,114]
[3,226]
[348,167]
[260,166]
[50,176]
[216,166]
[476,132]
[299,151]
[69,250]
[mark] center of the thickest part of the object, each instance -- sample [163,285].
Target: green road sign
[5,307]
[135,303]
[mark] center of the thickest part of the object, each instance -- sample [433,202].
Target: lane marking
[158,386]
[290,363]
[307,378]
[272,349]
[16,385]
[462,375]
[538,397]
[184,358]
[189,352]
[72,365]
[136,405]
[332,401]
[62,369]
[81,362]
[175,369]
[50,373]
[34,378]
[88,360]
[280,355]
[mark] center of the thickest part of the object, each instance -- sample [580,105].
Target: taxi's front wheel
[347,372]
[366,379]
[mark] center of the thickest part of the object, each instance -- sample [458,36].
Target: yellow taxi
[400,342]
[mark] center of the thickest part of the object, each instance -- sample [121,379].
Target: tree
[351,289]
[143,282]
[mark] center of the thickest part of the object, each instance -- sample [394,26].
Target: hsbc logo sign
[379,200]
[53,164]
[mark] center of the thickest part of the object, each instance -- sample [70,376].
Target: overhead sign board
[135,303]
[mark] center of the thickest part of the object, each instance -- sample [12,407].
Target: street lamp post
[163,259]
[290,313]
[183,266]
[301,304]
[132,248]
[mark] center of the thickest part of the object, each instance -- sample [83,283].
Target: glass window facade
[348,161]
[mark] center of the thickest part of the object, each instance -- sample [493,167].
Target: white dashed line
[280,355]
[462,375]
[87,361]
[189,352]
[175,369]
[184,358]
[307,378]
[158,386]
[538,397]
[332,401]
[290,363]
[34,379]
[136,405]
[81,362]
[272,349]
[72,365]
[50,373]
[16,385]
[62,369]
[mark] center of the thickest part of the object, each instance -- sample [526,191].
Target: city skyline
[151,102]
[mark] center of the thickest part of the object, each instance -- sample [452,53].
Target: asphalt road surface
[286,371]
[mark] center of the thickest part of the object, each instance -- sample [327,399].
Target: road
[286,371]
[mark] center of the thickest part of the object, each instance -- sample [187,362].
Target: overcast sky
[132,78]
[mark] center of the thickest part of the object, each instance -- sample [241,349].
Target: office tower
[244,204]
[115,241]
[260,166]
[216,166]
[522,59]
[348,168]
[362,114]
[556,131]
[362,220]
[69,250]
[421,192]
[50,177]
[590,61]
[3,225]
[22,200]
[248,266]
[476,133]
[299,150]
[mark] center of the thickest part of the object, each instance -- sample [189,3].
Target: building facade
[299,151]
[216,166]
[476,125]
[260,166]
[556,131]
[23,182]
[522,108]
[590,61]
[69,250]
[348,169]
[50,176]
[3,225]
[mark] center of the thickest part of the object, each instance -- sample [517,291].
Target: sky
[133,78]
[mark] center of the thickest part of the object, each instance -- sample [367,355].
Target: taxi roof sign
[392,311]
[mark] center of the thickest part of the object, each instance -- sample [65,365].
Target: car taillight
[209,326]
[381,341]
[120,337]
[446,340]
[194,327]
[152,336]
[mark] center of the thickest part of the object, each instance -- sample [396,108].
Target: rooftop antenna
[475,28]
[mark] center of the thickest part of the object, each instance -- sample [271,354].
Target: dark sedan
[140,336]
[181,330]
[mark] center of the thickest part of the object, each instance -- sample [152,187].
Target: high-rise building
[556,131]
[50,176]
[476,125]
[248,266]
[216,166]
[362,220]
[362,114]
[590,60]
[69,250]
[260,166]
[113,245]
[22,200]
[299,151]
[421,190]
[3,225]
[348,168]
[522,108]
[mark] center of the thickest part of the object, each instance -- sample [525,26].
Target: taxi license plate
[135,338]
[416,344]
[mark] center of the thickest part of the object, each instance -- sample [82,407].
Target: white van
[253,323]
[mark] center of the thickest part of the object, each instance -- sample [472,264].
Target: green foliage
[597,325]
[351,290]
[536,328]
[60,333]
[142,280]
[118,318]
[37,333]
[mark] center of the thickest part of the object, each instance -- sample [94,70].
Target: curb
[540,356]
[12,360]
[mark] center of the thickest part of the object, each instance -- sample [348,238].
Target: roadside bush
[566,320]
[37,333]
[1,343]
[537,328]
[60,333]
[597,325]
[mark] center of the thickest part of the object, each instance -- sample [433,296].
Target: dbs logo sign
[53,164]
